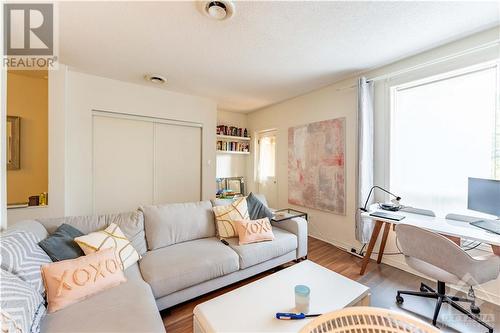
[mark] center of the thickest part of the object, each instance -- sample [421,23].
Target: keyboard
[491,226]
[387,216]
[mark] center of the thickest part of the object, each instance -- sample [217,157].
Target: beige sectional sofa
[181,259]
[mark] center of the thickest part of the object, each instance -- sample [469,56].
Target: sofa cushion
[21,306]
[61,245]
[129,307]
[261,198]
[225,216]
[29,225]
[253,254]
[257,209]
[22,256]
[254,231]
[170,224]
[111,237]
[131,223]
[182,265]
[71,281]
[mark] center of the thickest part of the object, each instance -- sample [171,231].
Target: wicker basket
[363,319]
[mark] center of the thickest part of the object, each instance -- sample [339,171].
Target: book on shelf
[233,146]
[232,131]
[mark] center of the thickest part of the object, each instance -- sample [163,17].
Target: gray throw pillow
[22,256]
[61,245]
[22,306]
[256,209]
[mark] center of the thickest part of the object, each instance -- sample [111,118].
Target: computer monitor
[484,196]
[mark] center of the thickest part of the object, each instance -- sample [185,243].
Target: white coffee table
[252,308]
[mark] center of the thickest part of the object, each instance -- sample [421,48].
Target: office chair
[440,258]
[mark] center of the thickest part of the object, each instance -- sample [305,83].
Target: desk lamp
[394,206]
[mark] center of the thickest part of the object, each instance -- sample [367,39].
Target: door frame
[258,136]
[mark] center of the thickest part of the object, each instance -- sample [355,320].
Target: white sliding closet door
[123,164]
[177,167]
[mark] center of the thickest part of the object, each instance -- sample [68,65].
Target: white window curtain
[266,158]
[364,227]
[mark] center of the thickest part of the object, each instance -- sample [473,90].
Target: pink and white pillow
[253,231]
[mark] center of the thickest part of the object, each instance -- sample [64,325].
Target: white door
[143,161]
[123,164]
[177,163]
[266,167]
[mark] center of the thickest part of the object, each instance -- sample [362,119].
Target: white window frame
[433,79]
[388,115]
[384,106]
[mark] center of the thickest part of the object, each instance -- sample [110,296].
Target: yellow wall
[27,97]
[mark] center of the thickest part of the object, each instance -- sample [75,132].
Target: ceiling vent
[155,78]
[218,10]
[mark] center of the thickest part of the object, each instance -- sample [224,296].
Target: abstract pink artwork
[316,169]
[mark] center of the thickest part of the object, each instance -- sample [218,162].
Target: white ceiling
[268,52]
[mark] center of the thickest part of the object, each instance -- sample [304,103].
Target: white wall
[232,165]
[327,103]
[72,97]
[87,92]
[339,100]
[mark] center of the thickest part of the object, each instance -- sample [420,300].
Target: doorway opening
[266,166]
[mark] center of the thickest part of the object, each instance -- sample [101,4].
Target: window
[443,130]
[267,155]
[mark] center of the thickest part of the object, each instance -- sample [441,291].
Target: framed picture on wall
[13,143]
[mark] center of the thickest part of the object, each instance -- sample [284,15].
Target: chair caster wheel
[399,299]
[475,309]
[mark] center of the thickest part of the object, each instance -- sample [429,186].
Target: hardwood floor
[382,279]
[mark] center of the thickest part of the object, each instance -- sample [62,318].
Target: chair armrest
[298,227]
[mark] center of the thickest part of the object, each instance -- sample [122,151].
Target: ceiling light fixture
[218,10]
[155,78]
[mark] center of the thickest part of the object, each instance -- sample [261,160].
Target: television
[484,196]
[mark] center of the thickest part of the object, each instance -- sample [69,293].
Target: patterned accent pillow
[111,237]
[22,307]
[73,280]
[226,215]
[22,256]
[254,231]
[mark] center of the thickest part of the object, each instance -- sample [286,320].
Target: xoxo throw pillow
[254,231]
[70,281]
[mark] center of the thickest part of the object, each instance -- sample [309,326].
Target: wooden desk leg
[496,249]
[369,250]
[387,227]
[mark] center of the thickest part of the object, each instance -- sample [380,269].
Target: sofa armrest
[297,226]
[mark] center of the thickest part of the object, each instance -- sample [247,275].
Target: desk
[449,228]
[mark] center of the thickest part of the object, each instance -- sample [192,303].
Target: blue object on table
[302,290]
[293,316]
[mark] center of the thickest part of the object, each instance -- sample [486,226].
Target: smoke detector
[218,10]
[155,78]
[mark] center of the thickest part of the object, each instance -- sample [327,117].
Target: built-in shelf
[230,137]
[25,206]
[233,152]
